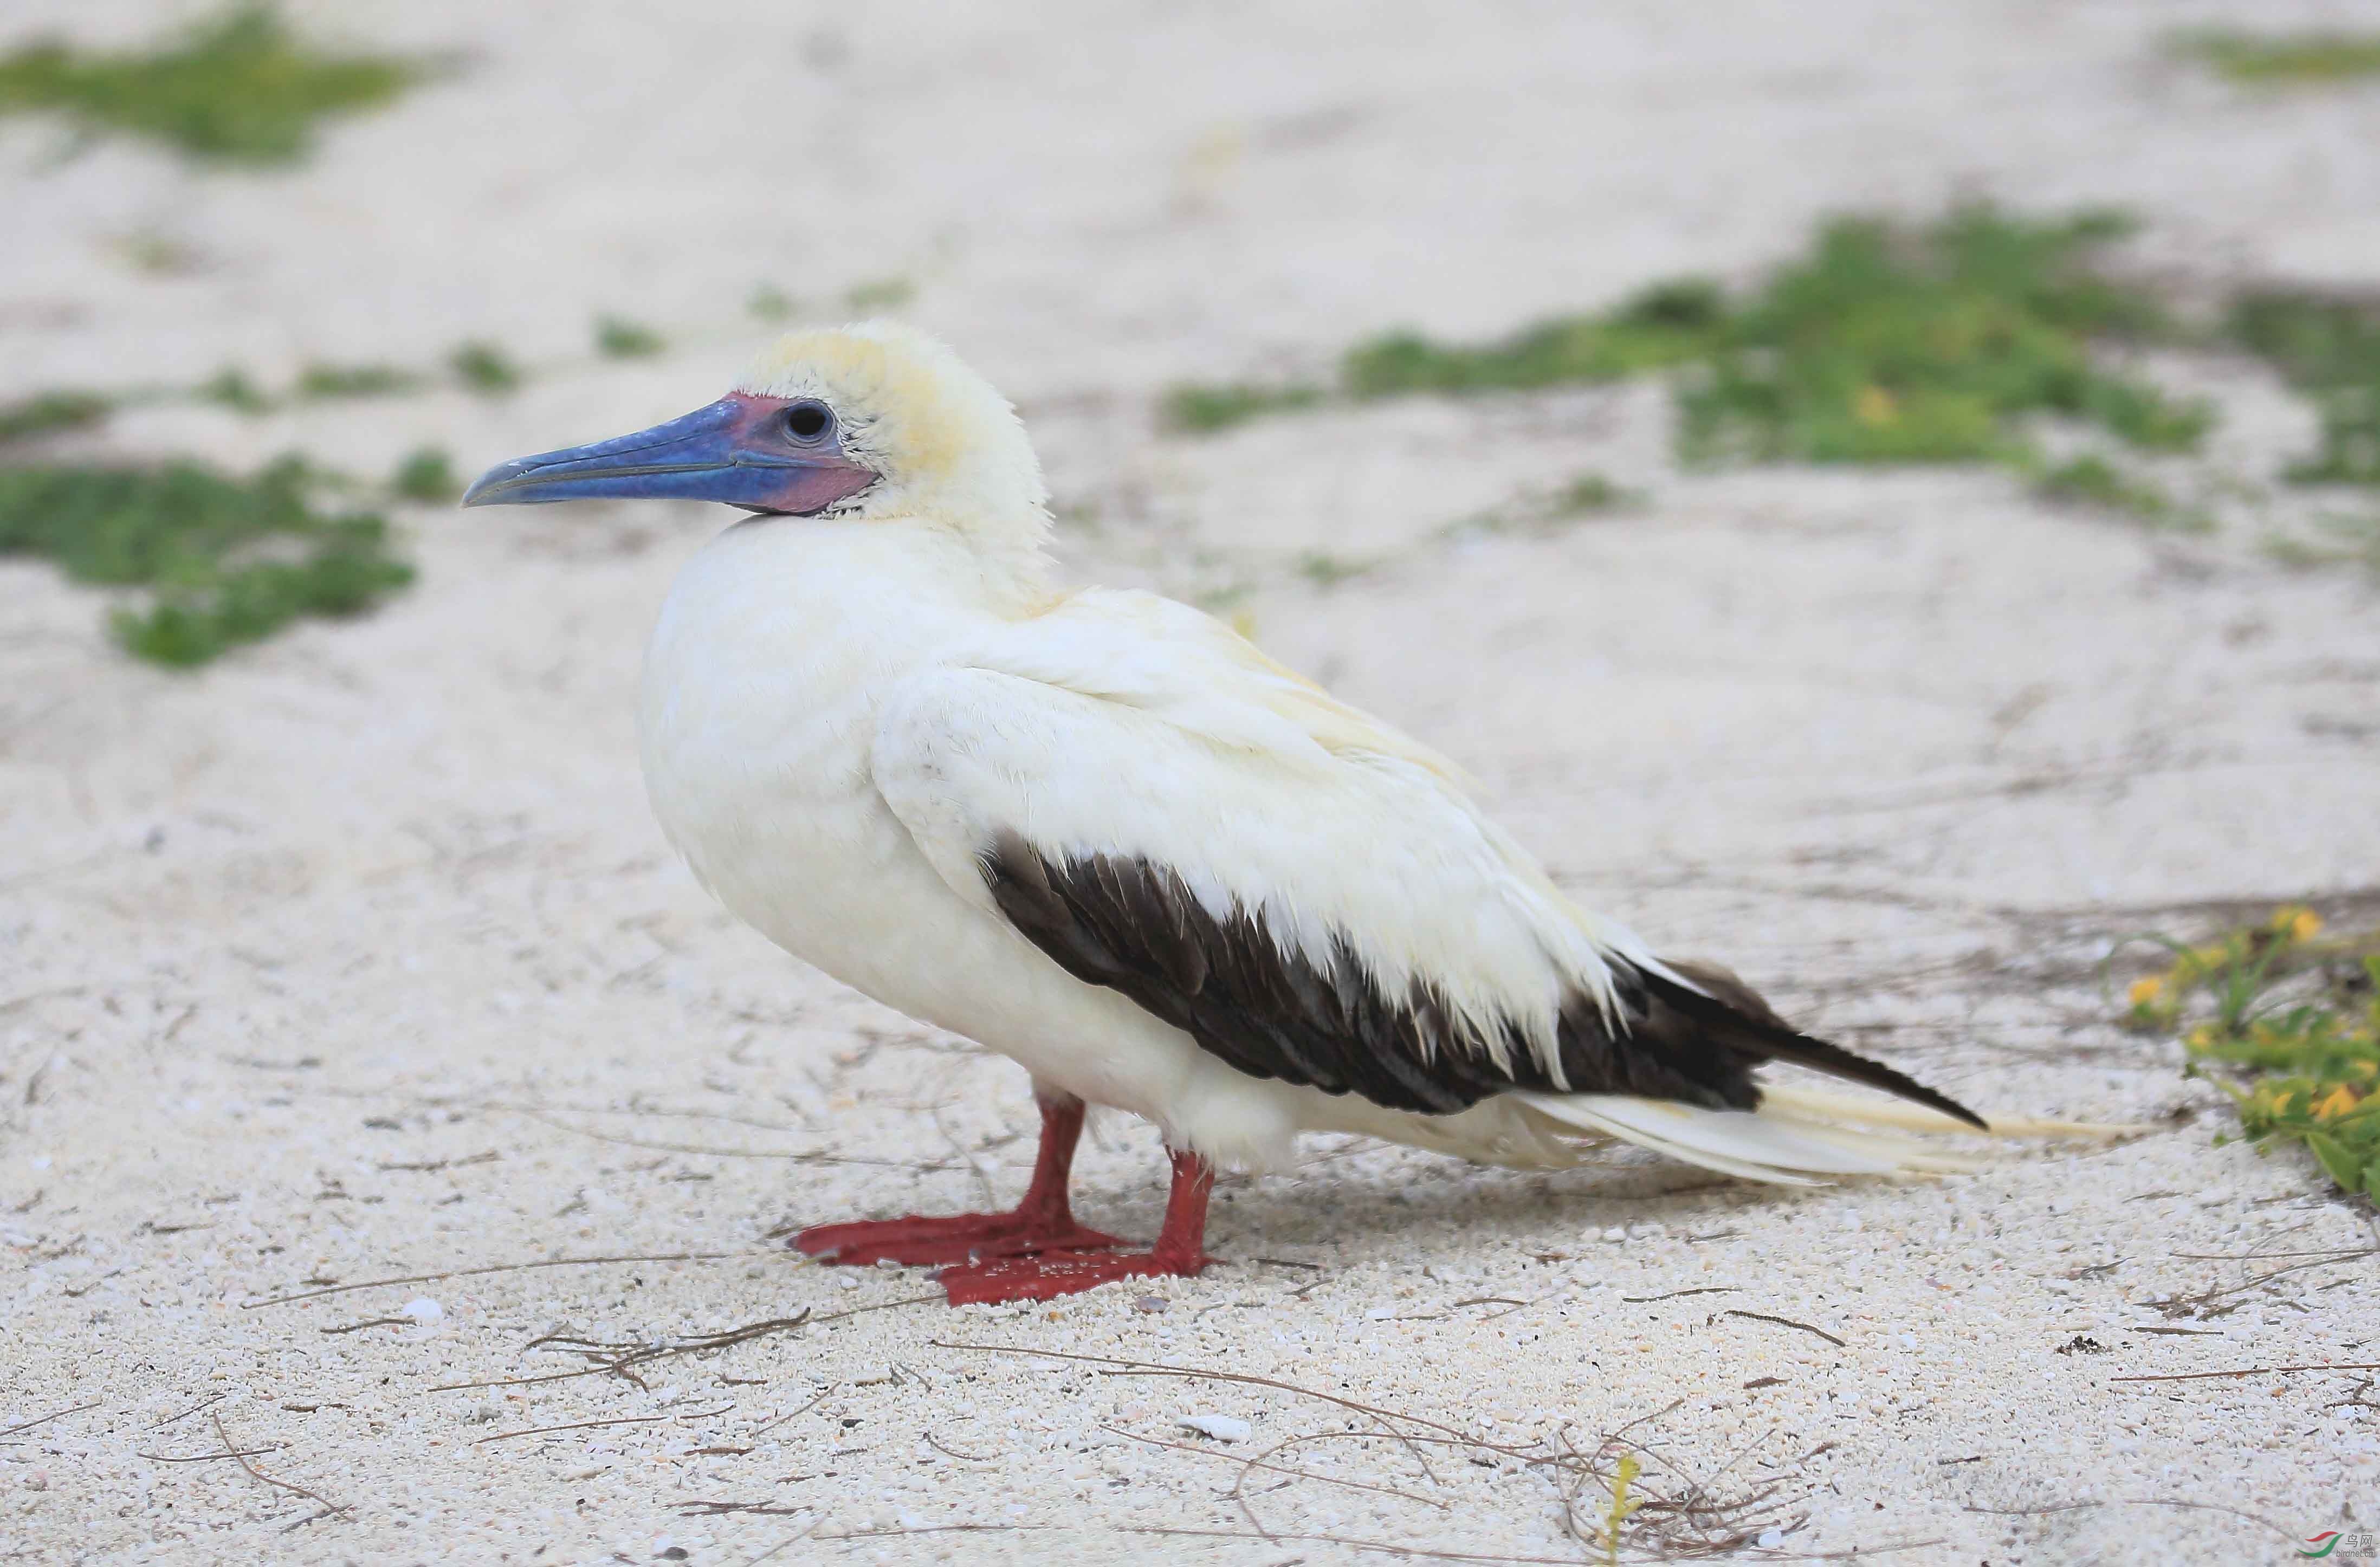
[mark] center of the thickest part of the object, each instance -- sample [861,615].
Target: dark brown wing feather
[1135,927]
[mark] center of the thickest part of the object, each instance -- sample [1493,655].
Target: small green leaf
[2343,1167]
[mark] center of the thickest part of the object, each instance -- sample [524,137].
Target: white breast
[762,689]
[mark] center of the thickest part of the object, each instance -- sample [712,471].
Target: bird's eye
[808,421]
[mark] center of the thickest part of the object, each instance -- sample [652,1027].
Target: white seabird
[1102,835]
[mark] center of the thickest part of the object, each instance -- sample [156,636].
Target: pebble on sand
[1222,1428]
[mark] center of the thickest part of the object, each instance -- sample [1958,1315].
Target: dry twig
[2139,1502]
[498,1268]
[1248,1465]
[2245,1371]
[46,1419]
[1787,1322]
[620,1360]
[317,1498]
[1685,1523]
[202,1403]
[573,1425]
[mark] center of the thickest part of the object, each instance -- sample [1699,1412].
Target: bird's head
[873,422]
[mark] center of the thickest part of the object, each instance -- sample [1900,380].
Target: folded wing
[1304,891]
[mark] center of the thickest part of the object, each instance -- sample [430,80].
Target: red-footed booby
[1102,835]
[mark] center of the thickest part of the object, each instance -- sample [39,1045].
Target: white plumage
[880,734]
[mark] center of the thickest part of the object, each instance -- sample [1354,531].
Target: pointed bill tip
[488,490]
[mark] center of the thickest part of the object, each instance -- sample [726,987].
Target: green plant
[1667,324]
[426,474]
[46,413]
[484,369]
[1893,344]
[2327,345]
[1623,1505]
[1586,494]
[2282,59]
[224,561]
[1204,409]
[1883,343]
[880,293]
[2298,1061]
[768,302]
[1589,495]
[1326,570]
[240,88]
[2093,481]
[354,381]
[2335,540]
[159,254]
[619,339]
[234,390]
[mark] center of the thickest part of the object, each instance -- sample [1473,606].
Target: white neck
[781,634]
[773,587]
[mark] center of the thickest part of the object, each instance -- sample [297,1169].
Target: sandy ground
[359,956]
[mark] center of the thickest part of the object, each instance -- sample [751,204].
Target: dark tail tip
[1733,1007]
[1836,1061]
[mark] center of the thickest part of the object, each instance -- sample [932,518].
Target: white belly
[761,691]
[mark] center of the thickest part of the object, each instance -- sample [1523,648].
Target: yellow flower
[2145,990]
[1875,406]
[2302,925]
[2334,1104]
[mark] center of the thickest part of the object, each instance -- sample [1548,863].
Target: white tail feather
[1867,1111]
[1583,1114]
[1755,1145]
[1797,1137]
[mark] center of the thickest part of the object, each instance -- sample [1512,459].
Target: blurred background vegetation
[1979,334]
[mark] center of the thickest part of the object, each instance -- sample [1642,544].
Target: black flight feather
[1270,1009]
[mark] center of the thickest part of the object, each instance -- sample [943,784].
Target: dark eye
[808,421]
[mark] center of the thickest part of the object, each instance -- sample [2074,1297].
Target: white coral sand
[359,956]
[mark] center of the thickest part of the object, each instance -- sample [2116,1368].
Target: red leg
[1043,1222]
[1179,1251]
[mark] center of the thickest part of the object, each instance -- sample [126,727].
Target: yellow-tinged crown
[949,447]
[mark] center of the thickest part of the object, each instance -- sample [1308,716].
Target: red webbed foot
[1041,1223]
[1038,1252]
[1180,1253]
[1052,1274]
[958,1238]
